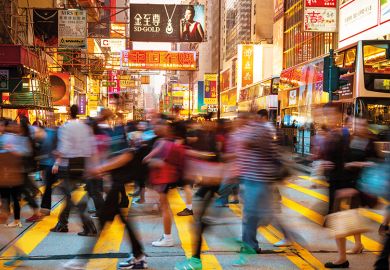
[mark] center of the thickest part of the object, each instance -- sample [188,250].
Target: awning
[17,55]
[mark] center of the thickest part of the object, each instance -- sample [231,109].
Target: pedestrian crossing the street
[302,214]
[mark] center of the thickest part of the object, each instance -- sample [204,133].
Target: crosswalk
[298,199]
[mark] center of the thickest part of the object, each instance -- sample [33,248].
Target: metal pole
[219,60]
[331,64]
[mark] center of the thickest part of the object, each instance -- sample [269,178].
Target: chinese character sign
[72,29]
[247,65]
[158,60]
[113,83]
[82,103]
[210,89]
[320,16]
[167,23]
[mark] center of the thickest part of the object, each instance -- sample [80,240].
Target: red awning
[16,55]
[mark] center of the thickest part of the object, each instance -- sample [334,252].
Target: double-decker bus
[260,95]
[367,93]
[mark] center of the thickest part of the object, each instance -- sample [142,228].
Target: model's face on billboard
[188,15]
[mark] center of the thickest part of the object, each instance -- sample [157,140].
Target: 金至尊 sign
[167,23]
[158,60]
[72,28]
[210,89]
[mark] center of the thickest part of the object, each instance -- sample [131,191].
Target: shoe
[13,261]
[192,263]
[163,242]
[91,211]
[74,265]
[220,204]
[138,201]
[88,231]
[60,228]
[14,225]
[248,250]
[133,263]
[34,218]
[234,202]
[44,212]
[341,265]
[185,212]
[94,216]
[358,251]
[283,243]
[240,262]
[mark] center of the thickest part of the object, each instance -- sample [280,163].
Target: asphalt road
[304,203]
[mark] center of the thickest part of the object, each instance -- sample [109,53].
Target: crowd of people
[219,162]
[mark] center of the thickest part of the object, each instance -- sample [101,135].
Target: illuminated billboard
[158,60]
[167,23]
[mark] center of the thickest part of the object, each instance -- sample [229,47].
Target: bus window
[376,110]
[350,59]
[377,67]
[275,86]
[339,59]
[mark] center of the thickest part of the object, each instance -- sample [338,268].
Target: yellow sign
[178,93]
[127,83]
[210,89]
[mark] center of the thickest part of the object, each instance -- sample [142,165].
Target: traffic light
[332,73]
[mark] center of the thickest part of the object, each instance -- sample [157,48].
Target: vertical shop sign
[210,89]
[247,65]
[82,102]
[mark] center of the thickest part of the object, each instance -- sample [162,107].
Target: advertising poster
[72,29]
[210,89]
[385,11]
[59,87]
[101,28]
[82,103]
[225,80]
[45,27]
[247,65]
[320,16]
[200,95]
[158,60]
[167,23]
[292,97]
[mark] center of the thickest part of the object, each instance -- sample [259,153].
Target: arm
[200,31]
[114,163]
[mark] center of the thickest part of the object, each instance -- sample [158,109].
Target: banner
[160,60]
[45,27]
[59,88]
[72,29]
[210,89]
[167,23]
[320,16]
[247,65]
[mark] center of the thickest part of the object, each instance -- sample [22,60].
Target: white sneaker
[283,243]
[163,242]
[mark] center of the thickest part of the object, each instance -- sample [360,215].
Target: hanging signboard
[210,89]
[59,88]
[82,103]
[320,16]
[167,23]
[45,27]
[247,65]
[72,29]
[160,60]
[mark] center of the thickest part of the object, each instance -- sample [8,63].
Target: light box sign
[167,23]
[82,103]
[320,16]
[72,28]
[247,65]
[158,60]
[210,89]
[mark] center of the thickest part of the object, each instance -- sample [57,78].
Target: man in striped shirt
[257,161]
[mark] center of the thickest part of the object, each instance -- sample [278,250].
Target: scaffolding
[35,94]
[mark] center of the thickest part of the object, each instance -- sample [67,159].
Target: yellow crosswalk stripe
[272,235]
[110,240]
[184,227]
[42,190]
[34,236]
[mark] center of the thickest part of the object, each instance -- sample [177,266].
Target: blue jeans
[257,210]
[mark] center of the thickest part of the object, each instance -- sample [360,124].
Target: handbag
[11,167]
[346,222]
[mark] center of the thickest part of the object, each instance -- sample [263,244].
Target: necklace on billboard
[169,28]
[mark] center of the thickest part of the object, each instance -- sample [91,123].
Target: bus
[366,94]
[260,95]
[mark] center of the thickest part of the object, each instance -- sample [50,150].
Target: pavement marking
[303,261]
[38,232]
[325,184]
[110,240]
[185,230]
[364,212]
[368,243]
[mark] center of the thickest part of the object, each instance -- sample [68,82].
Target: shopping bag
[11,167]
